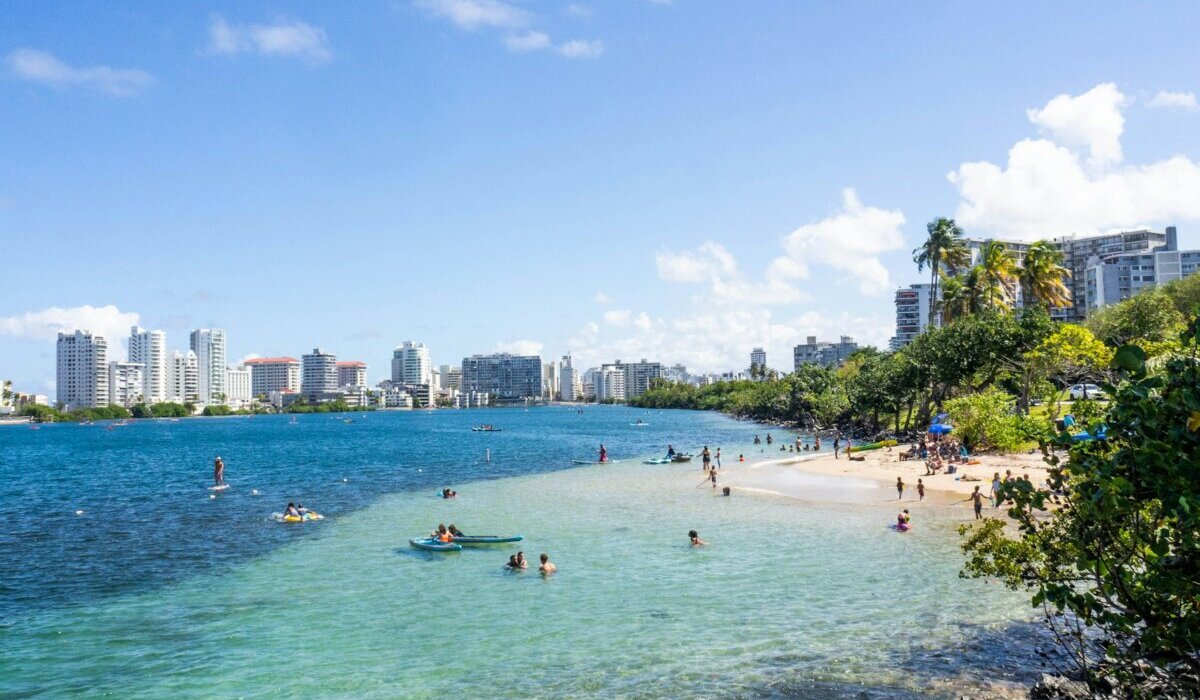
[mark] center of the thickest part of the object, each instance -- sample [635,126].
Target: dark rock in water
[1058,688]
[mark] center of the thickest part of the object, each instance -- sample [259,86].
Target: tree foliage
[1116,567]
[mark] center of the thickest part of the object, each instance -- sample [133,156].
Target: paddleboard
[594,461]
[222,487]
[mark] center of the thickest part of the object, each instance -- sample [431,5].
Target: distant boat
[486,429]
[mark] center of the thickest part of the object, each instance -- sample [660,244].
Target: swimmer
[741,458]
[694,538]
[512,563]
[521,563]
[547,566]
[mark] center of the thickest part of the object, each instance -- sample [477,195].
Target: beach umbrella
[940,428]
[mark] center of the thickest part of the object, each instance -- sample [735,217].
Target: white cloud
[286,38]
[849,242]
[711,261]
[473,14]
[713,265]
[1048,189]
[45,325]
[1092,120]
[618,317]
[520,347]
[43,67]
[529,41]
[1182,100]
[582,48]
[602,298]
[576,9]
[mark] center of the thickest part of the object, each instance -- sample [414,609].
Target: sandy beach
[822,477]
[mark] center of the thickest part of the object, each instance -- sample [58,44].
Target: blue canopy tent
[940,429]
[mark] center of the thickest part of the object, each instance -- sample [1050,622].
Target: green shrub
[985,421]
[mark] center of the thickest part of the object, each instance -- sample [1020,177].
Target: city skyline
[786,206]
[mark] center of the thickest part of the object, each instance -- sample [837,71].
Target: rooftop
[270,360]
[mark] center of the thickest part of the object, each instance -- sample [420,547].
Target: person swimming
[694,539]
[521,563]
[512,563]
[547,566]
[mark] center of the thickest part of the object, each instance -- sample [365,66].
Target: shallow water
[792,598]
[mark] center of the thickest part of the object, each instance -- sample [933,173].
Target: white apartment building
[125,383]
[318,374]
[149,349]
[82,380]
[411,365]
[183,378]
[550,381]
[209,346]
[352,374]
[912,313]
[758,358]
[570,388]
[237,386]
[609,382]
[274,374]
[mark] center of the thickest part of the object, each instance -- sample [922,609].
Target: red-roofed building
[271,374]
[352,374]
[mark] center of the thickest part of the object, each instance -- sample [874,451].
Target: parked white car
[1086,391]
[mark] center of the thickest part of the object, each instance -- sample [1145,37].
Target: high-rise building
[569,385]
[274,374]
[411,365]
[209,346]
[550,381]
[823,353]
[912,314]
[352,374]
[1118,277]
[507,377]
[183,377]
[237,386]
[637,376]
[149,349]
[125,383]
[1079,253]
[758,358]
[318,374]
[82,380]
[609,383]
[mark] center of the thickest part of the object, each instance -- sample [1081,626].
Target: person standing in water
[837,444]
[899,489]
[977,497]
[218,471]
[547,566]
[603,454]
[718,458]
[706,457]
[920,490]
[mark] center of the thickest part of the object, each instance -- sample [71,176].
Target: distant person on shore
[977,497]
[670,451]
[757,441]
[712,475]
[603,454]
[996,489]
[718,459]
[920,490]
[547,566]
[816,443]
[798,443]
[741,458]
[837,444]
[218,471]
[706,457]
[899,488]
[694,537]
[769,440]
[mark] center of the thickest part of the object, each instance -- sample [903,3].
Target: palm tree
[1042,276]
[960,296]
[997,276]
[942,249]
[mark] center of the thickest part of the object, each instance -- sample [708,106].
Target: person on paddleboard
[218,471]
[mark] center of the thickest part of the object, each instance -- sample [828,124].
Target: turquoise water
[159,591]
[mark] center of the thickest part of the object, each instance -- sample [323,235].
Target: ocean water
[159,591]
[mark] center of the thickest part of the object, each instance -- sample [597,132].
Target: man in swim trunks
[521,563]
[899,489]
[920,490]
[547,566]
[977,497]
[218,471]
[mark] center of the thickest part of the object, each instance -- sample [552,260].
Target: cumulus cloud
[520,347]
[618,317]
[582,48]
[1075,182]
[711,264]
[45,325]
[1092,120]
[529,41]
[849,241]
[474,14]
[1181,100]
[285,38]
[43,67]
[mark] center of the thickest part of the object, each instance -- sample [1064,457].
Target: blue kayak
[487,539]
[433,545]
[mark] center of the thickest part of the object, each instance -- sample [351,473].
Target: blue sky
[673,180]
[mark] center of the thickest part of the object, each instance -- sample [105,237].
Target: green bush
[985,421]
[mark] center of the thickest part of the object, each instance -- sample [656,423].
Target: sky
[673,180]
